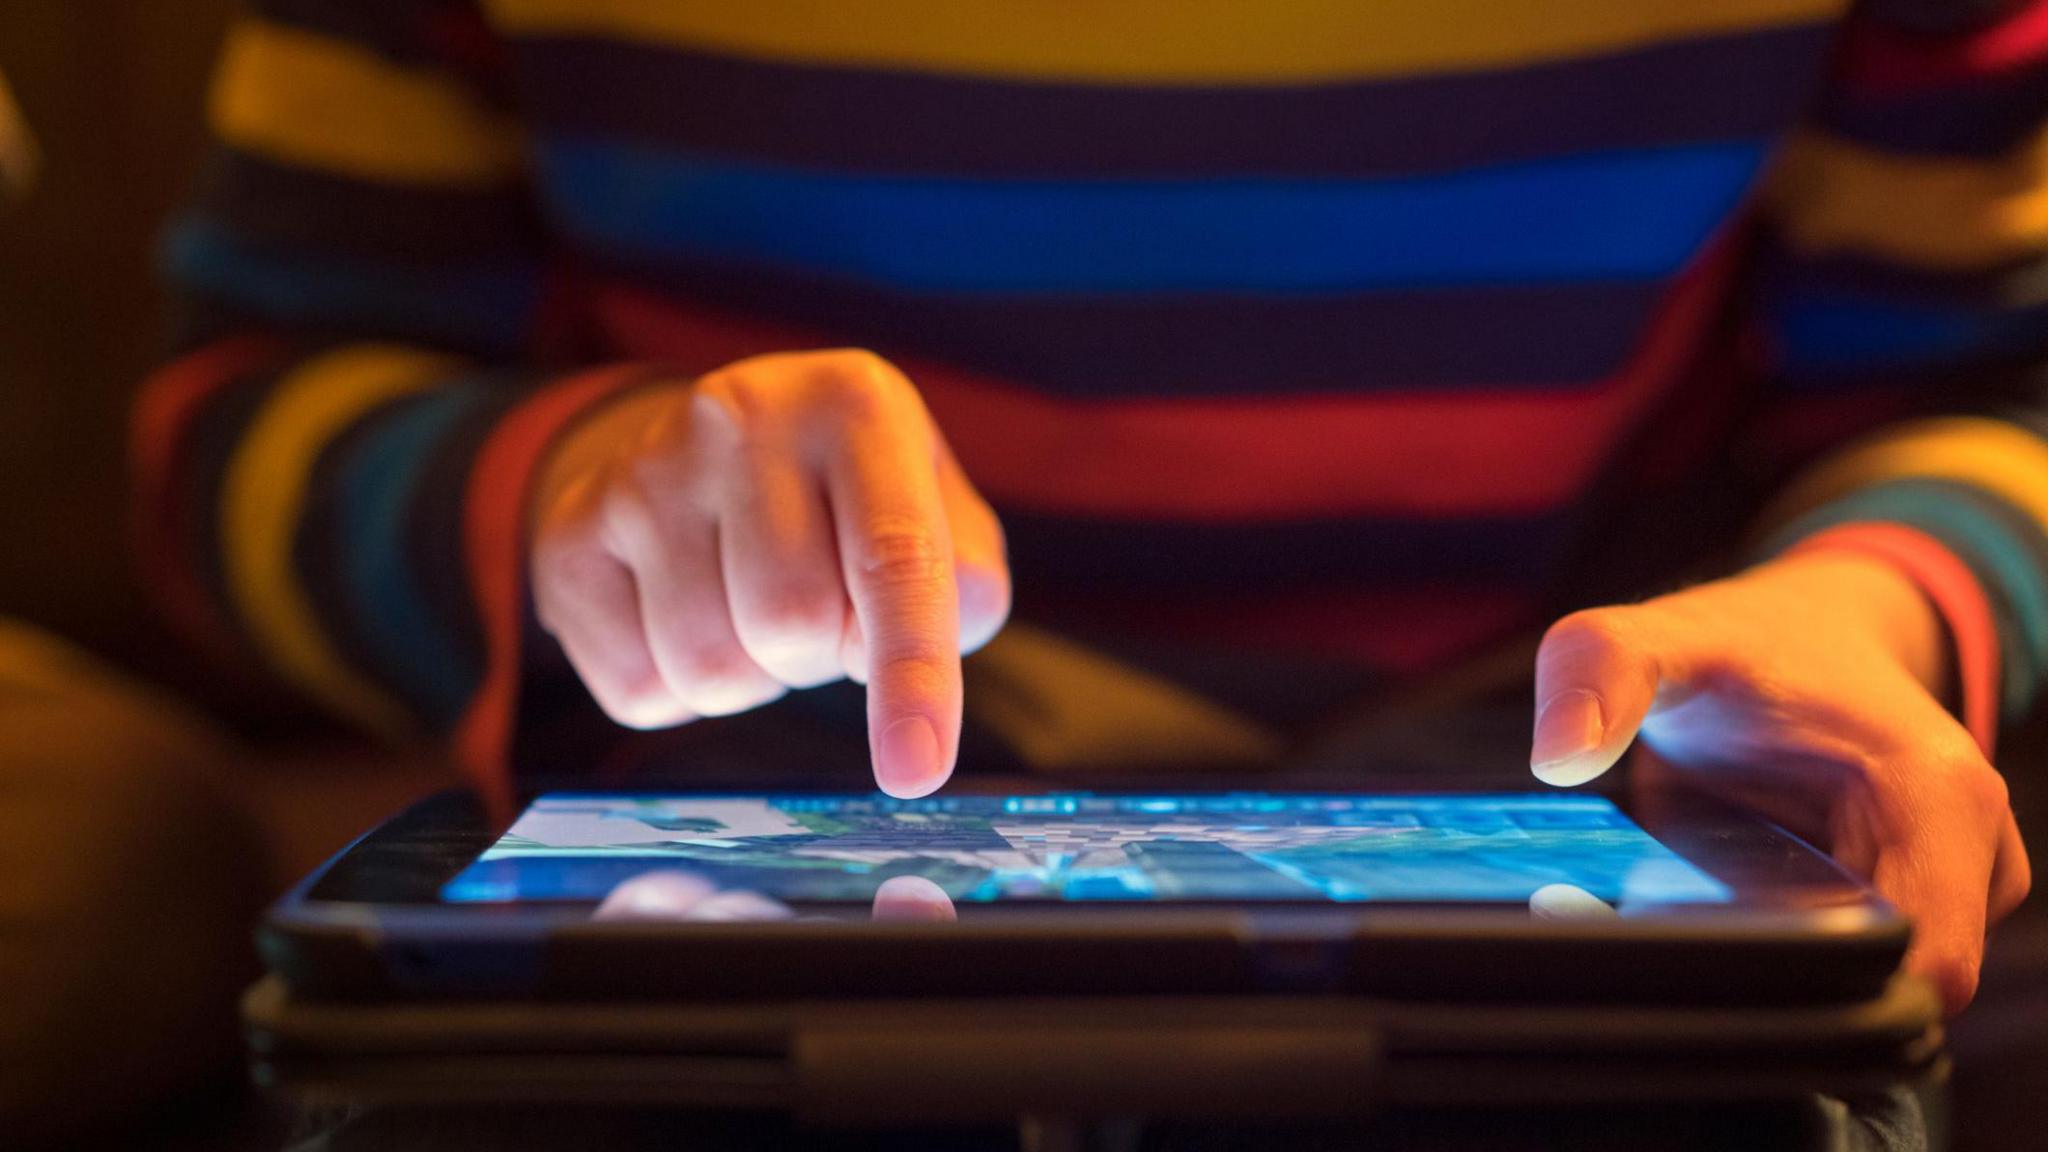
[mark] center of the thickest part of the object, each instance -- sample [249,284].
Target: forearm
[352,519]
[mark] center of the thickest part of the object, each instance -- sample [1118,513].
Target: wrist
[585,452]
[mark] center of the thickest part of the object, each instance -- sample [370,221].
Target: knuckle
[1986,791]
[563,565]
[860,364]
[695,666]
[921,676]
[1956,977]
[727,697]
[2018,888]
[628,506]
[1951,756]
[649,477]
[798,614]
[858,383]
[553,564]
[985,593]
[904,555]
[642,691]
[728,402]
[643,706]
[632,693]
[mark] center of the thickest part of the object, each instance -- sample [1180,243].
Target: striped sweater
[1352,336]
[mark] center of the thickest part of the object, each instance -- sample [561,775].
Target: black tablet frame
[369,925]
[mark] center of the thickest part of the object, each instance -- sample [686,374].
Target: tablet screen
[1070,847]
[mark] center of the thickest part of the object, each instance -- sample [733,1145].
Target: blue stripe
[375,485]
[477,309]
[1831,336]
[1963,519]
[1623,215]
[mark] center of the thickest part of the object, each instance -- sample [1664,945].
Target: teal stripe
[481,308]
[1978,529]
[376,482]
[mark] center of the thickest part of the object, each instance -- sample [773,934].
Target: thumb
[1596,678]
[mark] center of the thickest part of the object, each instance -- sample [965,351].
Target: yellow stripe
[316,102]
[1159,41]
[1941,215]
[2003,459]
[265,495]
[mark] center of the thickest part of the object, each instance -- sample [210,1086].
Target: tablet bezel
[1800,928]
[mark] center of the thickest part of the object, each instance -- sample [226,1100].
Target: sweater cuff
[1953,589]
[495,546]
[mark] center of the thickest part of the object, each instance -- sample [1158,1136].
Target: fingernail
[1567,728]
[1569,902]
[907,760]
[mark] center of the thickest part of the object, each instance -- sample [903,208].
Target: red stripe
[1437,453]
[1954,591]
[494,547]
[462,38]
[159,442]
[1885,61]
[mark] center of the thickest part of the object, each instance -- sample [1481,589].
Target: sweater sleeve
[1907,260]
[331,477]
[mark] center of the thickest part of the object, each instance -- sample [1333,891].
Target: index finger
[896,555]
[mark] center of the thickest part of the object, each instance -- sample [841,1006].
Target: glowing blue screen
[1239,847]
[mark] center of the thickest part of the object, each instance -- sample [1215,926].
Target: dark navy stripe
[1844,336]
[480,309]
[1934,17]
[859,120]
[447,36]
[394,29]
[278,207]
[1108,347]
[1846,323]
[1628,215]
[2020,284]
[2017,393]
[211,442]
[1067,554]
[1986,120]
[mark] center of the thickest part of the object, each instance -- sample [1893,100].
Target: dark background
[115,93]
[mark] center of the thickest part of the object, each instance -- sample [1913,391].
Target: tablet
[1442,895]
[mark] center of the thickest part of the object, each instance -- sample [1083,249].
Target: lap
[130,883]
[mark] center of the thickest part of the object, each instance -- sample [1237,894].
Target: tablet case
[925,1061]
